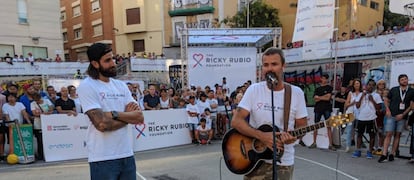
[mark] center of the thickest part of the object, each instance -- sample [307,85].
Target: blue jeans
[117,169]
[412,141]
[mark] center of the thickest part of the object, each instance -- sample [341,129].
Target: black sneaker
[382,159]
[302,143]
[391,157]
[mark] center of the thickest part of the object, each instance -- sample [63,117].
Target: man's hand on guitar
[285,137]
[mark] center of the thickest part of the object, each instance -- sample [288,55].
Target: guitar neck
[304,130]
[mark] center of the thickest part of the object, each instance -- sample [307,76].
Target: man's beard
[110,72]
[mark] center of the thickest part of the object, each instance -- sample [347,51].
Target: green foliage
[392,19]
[261,15]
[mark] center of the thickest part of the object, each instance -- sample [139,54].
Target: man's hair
[273,51]
[203,120]
[95,52]
[402,76]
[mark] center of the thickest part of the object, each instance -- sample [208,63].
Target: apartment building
[30,27]
[85,22]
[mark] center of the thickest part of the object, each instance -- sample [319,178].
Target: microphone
[271,77]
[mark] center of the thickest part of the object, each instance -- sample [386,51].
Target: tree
[261,15]
[392,19]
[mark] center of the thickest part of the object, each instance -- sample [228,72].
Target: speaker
[351,71]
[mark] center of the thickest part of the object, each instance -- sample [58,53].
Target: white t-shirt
[108,96]
[203,131]
[44,107]
[165,104]
[212,101]
[354,97]
[193,109]
[203,105]
[14,112]
[367,110]
[257,101]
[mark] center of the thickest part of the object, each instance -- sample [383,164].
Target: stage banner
[16,144]
[314,20]
[207,66]
[161,128]
[64,137]
[401,66]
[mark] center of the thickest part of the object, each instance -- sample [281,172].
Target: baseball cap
[27,86]
[325,75]
[97,50]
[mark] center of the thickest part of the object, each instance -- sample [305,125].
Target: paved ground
[192,162]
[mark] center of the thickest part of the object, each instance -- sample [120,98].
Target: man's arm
[61,111]
[103,120]
[26,116]
[326,97]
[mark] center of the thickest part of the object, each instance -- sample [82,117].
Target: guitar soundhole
[258,146]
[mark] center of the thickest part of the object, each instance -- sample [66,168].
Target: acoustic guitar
[242,154]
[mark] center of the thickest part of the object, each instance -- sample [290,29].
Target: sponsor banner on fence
[207,66]
[42,68]
[162,128]
[317,49]
[314,20]
[362,46]
[152,64]
[64,137]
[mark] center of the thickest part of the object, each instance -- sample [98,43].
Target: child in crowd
[203,134]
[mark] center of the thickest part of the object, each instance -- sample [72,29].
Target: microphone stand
[274,133]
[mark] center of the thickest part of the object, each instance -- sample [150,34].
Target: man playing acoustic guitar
[256,102]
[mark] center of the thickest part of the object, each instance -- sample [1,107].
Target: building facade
[138,26]
[353,14]
[85,22]
[30,27]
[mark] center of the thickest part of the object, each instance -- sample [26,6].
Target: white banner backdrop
[162,128]
[152,65]
[401,66]
[314,20]
[39,68]
[207,66]
[64,136]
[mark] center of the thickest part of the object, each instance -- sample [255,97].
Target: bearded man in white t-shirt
[256,103]
[110,107]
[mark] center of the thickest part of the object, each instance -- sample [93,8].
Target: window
[76,11]
[95,6]
[38,52]
[97,30]
[22,11]
[65,36]
[374,5]
[63,15]
[6,49]
[78,33]
[363,2]
[139,45]
[133,16]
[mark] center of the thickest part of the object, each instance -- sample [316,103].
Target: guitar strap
[286,112]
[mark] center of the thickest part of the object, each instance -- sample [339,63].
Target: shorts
[325,114]
[3,128]
[365,127]
[203,136]
[192,127]
[391,125]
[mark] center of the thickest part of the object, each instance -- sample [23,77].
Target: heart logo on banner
[140,128]
[198,57]
[391,41]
